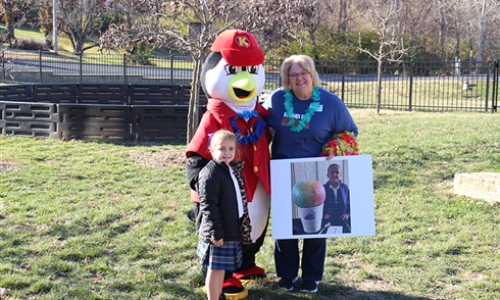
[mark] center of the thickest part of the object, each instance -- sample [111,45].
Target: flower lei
[258,131]
[309,112]
[341,144]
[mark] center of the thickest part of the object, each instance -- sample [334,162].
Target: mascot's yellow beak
[242,87]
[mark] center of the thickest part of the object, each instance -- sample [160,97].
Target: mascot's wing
[196,162]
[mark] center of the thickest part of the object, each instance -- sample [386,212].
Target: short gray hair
[305,62]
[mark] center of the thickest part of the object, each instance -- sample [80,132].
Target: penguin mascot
[232,77]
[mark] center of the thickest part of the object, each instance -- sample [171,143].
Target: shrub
[29,44]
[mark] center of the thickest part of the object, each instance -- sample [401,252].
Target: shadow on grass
[127,143]
[271,291]
[326,291]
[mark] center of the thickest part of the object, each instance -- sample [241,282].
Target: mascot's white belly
[258,211]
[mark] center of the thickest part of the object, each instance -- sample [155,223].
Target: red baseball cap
[239,48]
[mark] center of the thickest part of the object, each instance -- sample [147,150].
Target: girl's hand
[218,243]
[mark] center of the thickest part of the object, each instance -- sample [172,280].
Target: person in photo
[337,207]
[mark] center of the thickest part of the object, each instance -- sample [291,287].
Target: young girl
[222,223]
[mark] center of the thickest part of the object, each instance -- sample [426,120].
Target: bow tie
[247,114]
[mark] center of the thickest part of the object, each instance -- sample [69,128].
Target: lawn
[107,220]
[34,34]
[63,42]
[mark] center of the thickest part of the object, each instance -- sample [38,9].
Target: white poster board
[291,176]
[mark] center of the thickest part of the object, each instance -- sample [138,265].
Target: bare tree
[347,12]
[274,20]
[10,10]
[485,10]
[278,21]
[154,29]
[443,25]
[167,24]
[76,19]
[8,16]
[459,16]
[45,21]
[418,18]
[389,42]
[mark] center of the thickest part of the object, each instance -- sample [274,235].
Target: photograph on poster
[315,197]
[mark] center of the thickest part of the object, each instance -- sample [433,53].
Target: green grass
[26,32]
[83,220]
[444,94]
[64,45]
[33,33]
[91,55]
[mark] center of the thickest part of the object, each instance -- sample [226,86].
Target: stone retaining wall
[484,185]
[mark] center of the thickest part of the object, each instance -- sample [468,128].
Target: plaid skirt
[228,257]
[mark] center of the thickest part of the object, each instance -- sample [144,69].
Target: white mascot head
[233,70]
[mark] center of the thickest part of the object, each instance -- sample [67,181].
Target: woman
[303,117]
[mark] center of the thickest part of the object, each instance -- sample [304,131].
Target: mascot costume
[232,77]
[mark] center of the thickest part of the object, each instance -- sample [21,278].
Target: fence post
[487,86]
[40,64]
[81,66]
[497,70]
[171,69]
[494,94]
[412,64]
[343,79]
[124,68]
[3,66]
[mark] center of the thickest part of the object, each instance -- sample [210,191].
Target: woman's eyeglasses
[296,75]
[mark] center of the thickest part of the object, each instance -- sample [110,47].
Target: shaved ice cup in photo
[309,196]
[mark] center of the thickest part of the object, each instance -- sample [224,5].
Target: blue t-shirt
[331,117]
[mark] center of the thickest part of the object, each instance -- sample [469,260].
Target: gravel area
[160,158]
[5,165]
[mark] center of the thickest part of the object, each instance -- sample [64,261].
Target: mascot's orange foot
[253,273]
[233,289]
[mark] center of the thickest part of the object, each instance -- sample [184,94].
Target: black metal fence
[407,85]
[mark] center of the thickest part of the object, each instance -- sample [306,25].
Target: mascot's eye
[253,69]
[231,69]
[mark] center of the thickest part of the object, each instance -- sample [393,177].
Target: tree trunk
[9,22]
[480,44]
[70,37]
[342,21]
[194,99]
[457,33]
[10,29]
[442,31]
[79,44]
[48,40]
